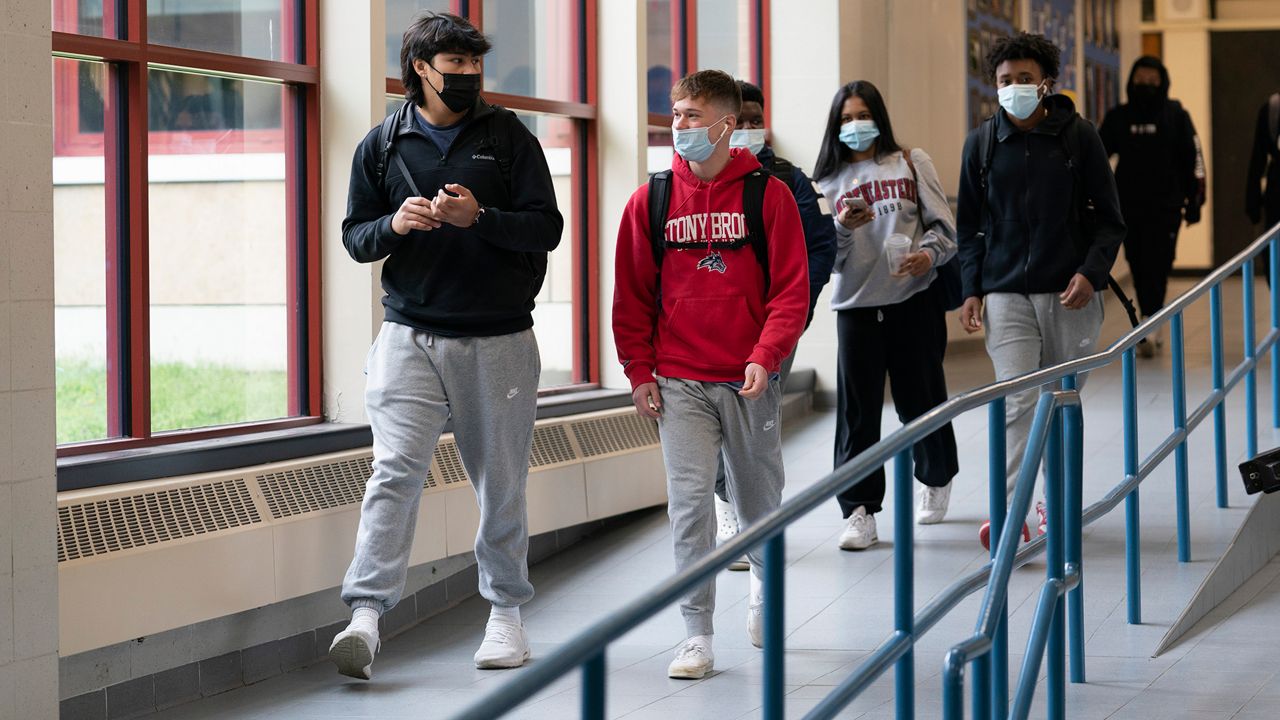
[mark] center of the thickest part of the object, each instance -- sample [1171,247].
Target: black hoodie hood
[1147,61]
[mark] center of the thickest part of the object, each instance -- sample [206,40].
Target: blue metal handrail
[587,649]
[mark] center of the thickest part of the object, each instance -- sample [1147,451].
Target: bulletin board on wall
[985,21]
[1093,37]
[1101,59]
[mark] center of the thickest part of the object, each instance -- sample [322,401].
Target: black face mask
[460,90]
[1145,94]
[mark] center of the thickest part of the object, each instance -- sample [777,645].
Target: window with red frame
[185,205]
[542,66]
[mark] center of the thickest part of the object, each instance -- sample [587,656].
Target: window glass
[663,64]
[534,48]
[660,149]
[79,253]
[252,28]
[217,254]
[83,17]
[400,13]
[724,36]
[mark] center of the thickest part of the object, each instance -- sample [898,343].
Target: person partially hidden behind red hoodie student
[702,332]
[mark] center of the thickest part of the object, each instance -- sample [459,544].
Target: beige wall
[28,570]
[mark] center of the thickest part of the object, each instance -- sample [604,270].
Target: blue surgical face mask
[752,140]
[1020,101]
[859,134]
[694,144]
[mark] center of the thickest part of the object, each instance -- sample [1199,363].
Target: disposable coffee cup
[896,249]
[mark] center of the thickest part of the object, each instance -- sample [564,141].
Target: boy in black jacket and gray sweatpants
[1029,264]
[463,210]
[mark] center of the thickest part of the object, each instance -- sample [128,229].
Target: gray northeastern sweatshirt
[862,276]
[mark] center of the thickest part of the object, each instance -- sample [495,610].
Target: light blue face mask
[751,139]
[859,134]
[694,144]
[1020,101]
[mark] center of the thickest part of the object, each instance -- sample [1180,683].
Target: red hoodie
[714,318]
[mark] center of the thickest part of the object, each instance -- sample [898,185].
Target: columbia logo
[483,157]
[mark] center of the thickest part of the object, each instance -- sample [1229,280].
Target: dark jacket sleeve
[1186,159]
[819,236]
[1108,228]
[1257,166]
[972,245]
[534,224]
[366,230]
[1109,131]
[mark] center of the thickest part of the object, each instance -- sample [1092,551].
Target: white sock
[508,614]
[704,640]
[757,589]
[366,618]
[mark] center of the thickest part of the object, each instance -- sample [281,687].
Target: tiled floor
[839,604]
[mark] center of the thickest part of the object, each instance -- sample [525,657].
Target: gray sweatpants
[699,419]
[416,381]
[1026,333]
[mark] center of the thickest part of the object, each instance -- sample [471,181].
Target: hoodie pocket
[714,331]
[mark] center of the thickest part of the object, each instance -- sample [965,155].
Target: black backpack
[498,143]
[1085,212]
[753,187]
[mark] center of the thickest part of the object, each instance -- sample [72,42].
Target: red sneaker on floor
[1043,516]
[984,534]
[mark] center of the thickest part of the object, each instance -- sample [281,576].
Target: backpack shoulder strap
[906,155]
[782,168]
[500,141]
[753,189]
[386,141]
[659,201]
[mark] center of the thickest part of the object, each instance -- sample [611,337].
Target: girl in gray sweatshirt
[890,317]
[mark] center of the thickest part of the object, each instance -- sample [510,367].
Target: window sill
[212,455]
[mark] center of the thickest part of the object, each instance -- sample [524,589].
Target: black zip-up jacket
[1156,142]
[1264,160]
[1034,240]
[819,231]
[473,281]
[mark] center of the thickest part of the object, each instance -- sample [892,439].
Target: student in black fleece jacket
[464,213]
[1156,142]
[1033,272]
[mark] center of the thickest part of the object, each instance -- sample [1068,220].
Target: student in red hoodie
[702,334]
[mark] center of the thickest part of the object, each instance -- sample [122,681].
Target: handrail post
[1073,510]
[1250,353]
[1179,374]
[774,637]
[1219,410]
[997,479]
[593,685]
[1274,292]
[904,583]
[1054,560]
[1132,533]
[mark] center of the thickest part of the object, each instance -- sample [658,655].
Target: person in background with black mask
[1264,160]
[462,209]
[1156,177]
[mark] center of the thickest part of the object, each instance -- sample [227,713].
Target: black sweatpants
[1150,242]
[906,340]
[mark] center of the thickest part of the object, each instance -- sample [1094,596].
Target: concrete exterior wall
[28,569]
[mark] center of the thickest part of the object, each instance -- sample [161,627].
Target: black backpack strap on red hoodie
[753,187]
[659,202]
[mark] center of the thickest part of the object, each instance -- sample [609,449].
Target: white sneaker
[505,645]
[353,650]
[933,504]
[693,659]
[755,612]
[860,534]
[727,529]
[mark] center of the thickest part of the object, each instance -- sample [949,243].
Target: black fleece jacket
[1034,241]
[474,281]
